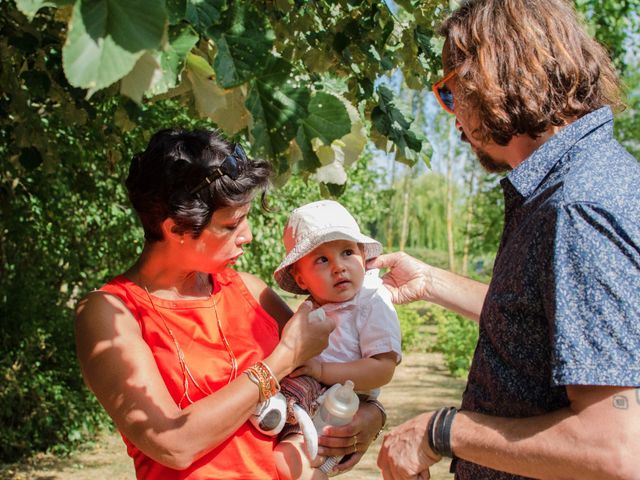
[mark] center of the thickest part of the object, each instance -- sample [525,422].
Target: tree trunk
[467,227]
[389,232]
[450,239]
[404,230]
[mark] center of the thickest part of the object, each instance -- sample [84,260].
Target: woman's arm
[409,279]
[120,369]
[366,373]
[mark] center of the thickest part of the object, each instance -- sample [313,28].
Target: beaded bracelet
[267,383]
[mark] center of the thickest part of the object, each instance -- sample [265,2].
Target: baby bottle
[339,406]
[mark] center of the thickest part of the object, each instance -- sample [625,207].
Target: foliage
[294,78]
[63,232]
[411,323]
[456,339]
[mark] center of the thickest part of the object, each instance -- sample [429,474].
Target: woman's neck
[158,271]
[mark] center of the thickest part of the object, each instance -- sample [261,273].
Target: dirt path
[421,383]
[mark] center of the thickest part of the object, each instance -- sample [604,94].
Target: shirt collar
[527,176]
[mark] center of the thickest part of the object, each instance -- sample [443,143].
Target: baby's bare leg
[292,462]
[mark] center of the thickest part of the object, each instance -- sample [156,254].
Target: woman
[166,345]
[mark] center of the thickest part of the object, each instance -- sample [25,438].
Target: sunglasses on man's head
[229,167]
[443,93]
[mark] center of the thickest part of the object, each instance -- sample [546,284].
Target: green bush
[411,325]
[456,339]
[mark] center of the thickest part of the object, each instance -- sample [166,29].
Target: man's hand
[408,279]
[405,453]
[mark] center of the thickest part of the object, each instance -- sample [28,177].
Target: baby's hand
[312,367]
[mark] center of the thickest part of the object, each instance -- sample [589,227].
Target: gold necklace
[186,373]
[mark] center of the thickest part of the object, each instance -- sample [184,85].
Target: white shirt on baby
[366,325]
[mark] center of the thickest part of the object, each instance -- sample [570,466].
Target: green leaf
[309,161]
[144,75]
[225,107]
[332,190]
[244,48]
[107,37]
[31,7]
[202,14]
[390,122]
[182,38]
[277,103]
[176,10]
[328,119]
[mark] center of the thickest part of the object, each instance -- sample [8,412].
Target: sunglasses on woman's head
[443,93]
[229,167]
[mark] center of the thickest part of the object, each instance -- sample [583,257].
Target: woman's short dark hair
[526,65]
[162,179]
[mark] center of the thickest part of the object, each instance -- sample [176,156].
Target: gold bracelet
[268,377]
[255,380]
[267,383]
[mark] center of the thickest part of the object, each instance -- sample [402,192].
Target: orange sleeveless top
[252,335]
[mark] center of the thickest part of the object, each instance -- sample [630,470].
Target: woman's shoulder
[269,300]
[106,304]
[255,284]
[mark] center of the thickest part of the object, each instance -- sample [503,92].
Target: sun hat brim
[282,275]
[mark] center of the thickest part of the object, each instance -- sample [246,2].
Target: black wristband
[439,431]
[446,433]
[433,429]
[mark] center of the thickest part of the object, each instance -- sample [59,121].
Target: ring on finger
[355,443]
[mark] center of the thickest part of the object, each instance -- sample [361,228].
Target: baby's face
[332,273]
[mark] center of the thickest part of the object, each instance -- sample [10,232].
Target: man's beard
[487,162]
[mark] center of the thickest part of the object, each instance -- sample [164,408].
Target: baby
[326,256]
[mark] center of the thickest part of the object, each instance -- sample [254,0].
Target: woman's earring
[182,241]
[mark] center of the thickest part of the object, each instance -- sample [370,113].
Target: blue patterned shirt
[563,306]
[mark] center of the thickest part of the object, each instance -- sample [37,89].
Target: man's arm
[596,437]
[409,279]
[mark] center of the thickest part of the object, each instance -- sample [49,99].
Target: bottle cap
[342,402]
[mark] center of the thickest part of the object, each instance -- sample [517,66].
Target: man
[553,387]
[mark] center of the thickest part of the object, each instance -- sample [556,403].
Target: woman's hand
[408,279]
[302,338]
[354,438]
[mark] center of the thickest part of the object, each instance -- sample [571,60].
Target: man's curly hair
[526,65]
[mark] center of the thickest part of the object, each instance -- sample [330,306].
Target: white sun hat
[312,225]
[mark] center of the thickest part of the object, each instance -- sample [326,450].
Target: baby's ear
[297,277]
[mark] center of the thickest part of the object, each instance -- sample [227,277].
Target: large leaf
[182,38]
[145,74]
[106,38]
[31,7]
[202,14]
[278,103]
[225,107]
[328,119]
[390,122]
[244,48]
